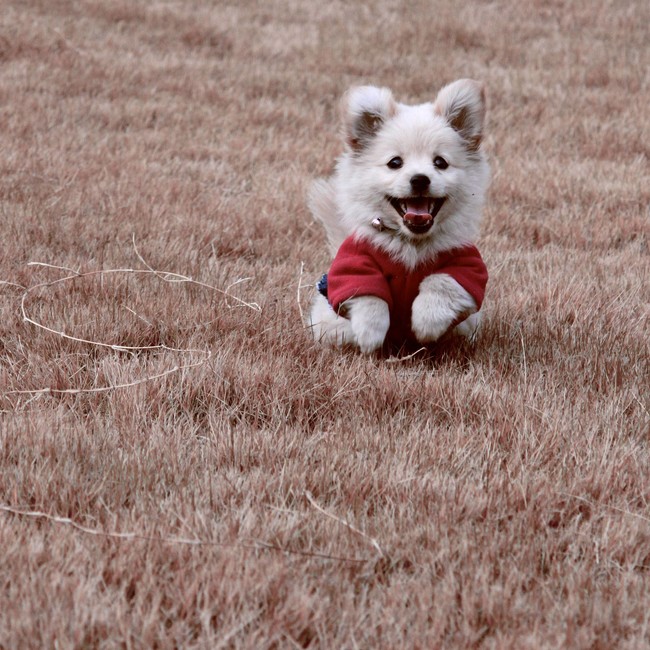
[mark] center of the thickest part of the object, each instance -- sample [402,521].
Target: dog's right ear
[365,109]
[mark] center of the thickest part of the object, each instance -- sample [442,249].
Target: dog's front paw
[370,320]
[430,317]
[440,303]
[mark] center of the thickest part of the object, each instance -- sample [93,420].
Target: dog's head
[409,169]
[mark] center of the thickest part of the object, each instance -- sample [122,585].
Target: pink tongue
[417,211]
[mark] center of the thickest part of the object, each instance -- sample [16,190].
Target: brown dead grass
[263,492]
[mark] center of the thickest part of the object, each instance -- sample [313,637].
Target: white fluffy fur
[439,303]
[376,129]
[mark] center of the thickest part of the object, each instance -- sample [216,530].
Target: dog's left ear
[365,110]
[462,104]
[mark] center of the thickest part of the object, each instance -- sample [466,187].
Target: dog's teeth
[402,204]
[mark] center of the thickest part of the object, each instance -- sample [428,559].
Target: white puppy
[401,213]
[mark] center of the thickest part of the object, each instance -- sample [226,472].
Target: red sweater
[360,269]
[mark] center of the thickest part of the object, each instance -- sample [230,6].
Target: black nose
[420,183]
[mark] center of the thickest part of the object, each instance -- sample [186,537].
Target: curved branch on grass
[347,524]
[257,545]
[165,276]
[104,389]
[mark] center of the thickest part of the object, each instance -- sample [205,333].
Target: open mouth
[417,212]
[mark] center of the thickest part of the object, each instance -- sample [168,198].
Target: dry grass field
[182,467]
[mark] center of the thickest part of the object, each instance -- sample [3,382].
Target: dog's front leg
[370,320]
[440,303]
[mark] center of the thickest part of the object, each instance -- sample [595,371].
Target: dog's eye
[395,163]
[440,162]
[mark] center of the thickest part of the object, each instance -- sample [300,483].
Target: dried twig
[36,514]
[111,346]
[523,352]
[68,43]
[302,316]
[257,545]
[224,641]
[165,276]
[406,358]
[234,284]
[119,348]
[57,267]
[594,504]
[104,389]
[348,525]
[149,268]
[12,284]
